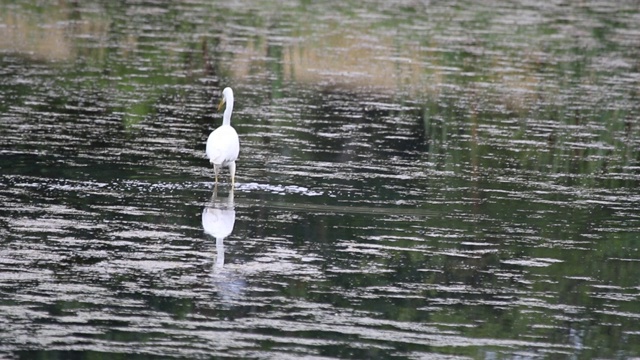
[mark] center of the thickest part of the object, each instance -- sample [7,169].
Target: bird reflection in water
[218,219]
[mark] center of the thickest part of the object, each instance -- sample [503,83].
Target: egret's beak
[220,105]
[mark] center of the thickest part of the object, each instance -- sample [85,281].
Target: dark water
[416,180]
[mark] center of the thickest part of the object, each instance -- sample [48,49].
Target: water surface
[416,180]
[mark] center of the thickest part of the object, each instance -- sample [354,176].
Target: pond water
[416,180]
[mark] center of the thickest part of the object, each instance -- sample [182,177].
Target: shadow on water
[218,218]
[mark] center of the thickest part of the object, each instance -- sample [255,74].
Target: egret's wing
[223,145]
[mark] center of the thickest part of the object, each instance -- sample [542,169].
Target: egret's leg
[232,170]
[216,169]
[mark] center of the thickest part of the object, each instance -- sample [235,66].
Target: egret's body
[223,145]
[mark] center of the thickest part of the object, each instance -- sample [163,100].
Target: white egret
[223,145]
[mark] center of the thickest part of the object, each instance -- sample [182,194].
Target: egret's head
[227,94]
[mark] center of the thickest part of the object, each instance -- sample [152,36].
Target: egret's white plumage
[223,145]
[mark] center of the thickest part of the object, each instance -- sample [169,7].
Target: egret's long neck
[226,119]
